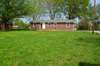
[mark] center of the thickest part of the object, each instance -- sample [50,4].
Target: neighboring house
[98,24]
[98,21]
[67,25]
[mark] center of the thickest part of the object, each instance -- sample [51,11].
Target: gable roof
[55,21]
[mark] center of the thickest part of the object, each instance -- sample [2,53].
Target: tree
[77,8]
[49,6]
[98,9]
[73,8]
[86,19]
[37,8]
[52,6]
[10,9]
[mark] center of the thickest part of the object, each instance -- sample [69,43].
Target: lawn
[29,48]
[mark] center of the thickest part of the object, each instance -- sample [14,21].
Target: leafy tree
[10,9]
[98,9]
[37,8]
[86,19]
[73,8]
[77,8]
[53,6]
[49,6]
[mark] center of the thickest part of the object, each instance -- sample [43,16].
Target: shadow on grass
[90,40]
[20,30]
[15,30]
[87,64]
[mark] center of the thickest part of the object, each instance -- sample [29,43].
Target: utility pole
[94,13]
[94,8]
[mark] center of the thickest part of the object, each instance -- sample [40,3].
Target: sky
[97,1]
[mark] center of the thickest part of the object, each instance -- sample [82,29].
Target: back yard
[29,48]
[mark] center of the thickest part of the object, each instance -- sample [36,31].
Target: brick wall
[55,26]
[37,26]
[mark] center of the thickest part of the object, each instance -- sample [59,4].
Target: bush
[98,27]
[21,25]
[83,25]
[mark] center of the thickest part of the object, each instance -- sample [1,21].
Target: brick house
[66,25]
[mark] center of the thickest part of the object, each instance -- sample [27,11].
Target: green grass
[29,48]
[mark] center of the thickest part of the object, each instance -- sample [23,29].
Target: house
[66,25]
[98,21]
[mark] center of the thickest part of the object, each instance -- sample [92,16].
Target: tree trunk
[5,25]
[93,27]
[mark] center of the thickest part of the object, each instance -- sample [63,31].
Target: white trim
[43,26]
